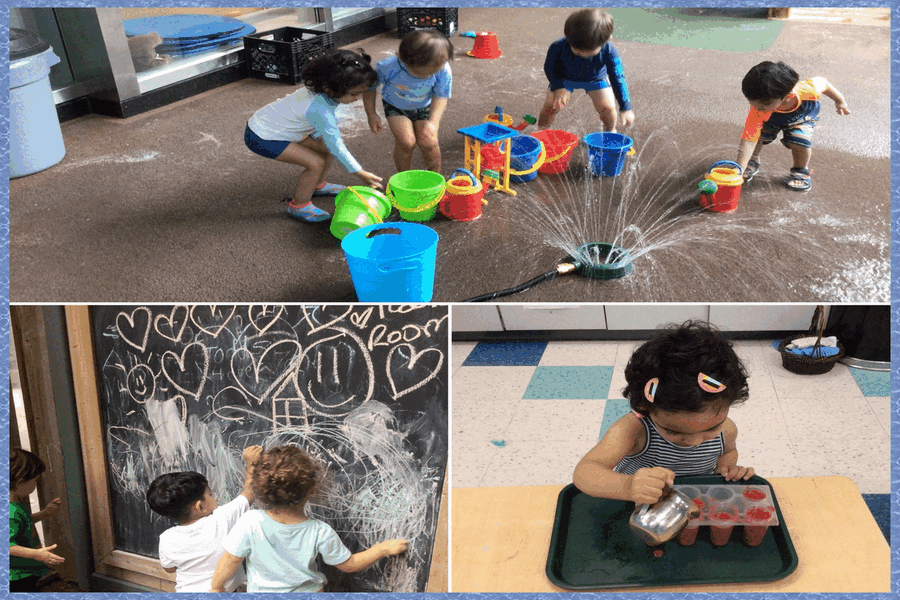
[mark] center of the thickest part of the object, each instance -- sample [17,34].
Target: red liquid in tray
[754,534]
[719,534]
[754,495]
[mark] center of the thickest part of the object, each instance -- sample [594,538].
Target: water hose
[561,269]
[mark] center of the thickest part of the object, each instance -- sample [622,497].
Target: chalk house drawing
[363,389]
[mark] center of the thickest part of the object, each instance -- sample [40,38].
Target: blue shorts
[265,148]
[796,127]
[588,86]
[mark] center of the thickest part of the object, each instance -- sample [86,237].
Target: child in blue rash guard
[301,128]
[584,59]
[416,87]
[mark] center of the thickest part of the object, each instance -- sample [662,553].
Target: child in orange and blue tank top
[780,102]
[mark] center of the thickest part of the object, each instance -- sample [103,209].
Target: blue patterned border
[895,209]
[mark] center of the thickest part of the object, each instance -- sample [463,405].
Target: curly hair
[337,72]
[769,81]
[588,29]
[24,466]
[423,48]
[172,494]
[675,355]
[284,476]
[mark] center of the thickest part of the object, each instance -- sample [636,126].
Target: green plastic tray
[592,547]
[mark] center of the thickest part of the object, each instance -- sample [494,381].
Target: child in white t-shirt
[192,548]
[280,543]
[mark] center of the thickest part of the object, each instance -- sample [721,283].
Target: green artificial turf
[679,27]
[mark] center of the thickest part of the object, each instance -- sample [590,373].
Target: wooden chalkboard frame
[133,568]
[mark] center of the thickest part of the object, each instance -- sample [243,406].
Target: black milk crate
[445,20]
[281,54]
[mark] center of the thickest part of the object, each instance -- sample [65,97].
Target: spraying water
[646,226]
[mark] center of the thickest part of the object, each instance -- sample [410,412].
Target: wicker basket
[809,365]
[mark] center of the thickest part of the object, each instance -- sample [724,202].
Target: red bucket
[486,45]
[559,145]
[463,197]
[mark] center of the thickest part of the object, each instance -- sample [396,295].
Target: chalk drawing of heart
[134,334]
[263,317]
[170,322]
[211,314]
[255,365]
[199,364]
[413,359]
[322,309]
[361,319]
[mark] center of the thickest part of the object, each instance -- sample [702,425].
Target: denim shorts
[265,148]
[796,127]
[413,114]
[588,86]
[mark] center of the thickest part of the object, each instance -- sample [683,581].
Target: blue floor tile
[880,506]
[872,383]
[506,354]
[569,383]
[616,408]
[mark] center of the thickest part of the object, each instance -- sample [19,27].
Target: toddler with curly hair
[680,384]
[281,543]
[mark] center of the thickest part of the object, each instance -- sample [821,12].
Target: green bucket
[416,194]
[356,207]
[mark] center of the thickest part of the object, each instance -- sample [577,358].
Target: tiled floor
[524,414]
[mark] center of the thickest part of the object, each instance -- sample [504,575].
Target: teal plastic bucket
[392,262]
[523,154]
[606,152]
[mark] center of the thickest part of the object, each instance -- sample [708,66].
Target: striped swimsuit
[659,452]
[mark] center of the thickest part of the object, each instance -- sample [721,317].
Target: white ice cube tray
[743,498]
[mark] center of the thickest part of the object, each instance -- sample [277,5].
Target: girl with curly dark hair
[301,128]
[281,543]
[680,384]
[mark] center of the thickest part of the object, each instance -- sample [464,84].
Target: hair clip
[708,384]
[650,389]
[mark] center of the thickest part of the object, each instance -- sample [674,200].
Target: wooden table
[501,538]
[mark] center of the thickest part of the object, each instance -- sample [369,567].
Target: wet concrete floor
[169,206]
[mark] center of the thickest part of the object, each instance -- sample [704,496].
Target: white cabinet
[475,317]
[761,317]
[629,317]
[548,317]
[650,316]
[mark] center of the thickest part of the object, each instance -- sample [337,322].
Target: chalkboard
[362,388]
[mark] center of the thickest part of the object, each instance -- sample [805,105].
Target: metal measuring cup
[661,521]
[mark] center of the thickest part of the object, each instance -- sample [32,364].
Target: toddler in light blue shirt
[416,86]
[281,543]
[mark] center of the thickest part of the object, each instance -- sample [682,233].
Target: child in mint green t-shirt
[281,543]
[29,560]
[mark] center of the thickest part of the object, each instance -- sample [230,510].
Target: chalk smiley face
[140,383]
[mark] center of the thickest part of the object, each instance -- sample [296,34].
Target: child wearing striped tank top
[680,384]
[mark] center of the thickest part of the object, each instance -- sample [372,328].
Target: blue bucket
[392,262]
[606,152]
[523,154]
